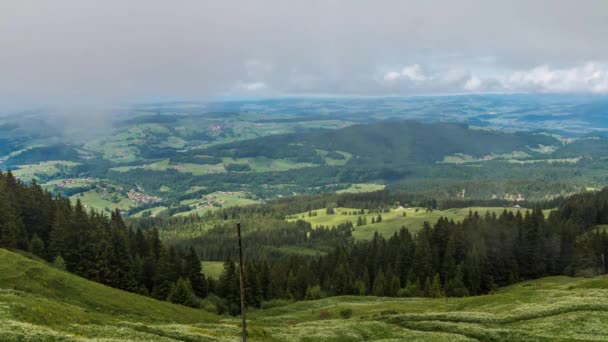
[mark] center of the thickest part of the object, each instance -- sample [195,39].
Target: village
[140,198]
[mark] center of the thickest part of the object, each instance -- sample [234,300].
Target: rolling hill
[41,303]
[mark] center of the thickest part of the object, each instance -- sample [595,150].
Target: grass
[41,303]
[263,164]
[221,199]
[48,168]
[74,182]
[103,201]
[153,211]
[163,165]
[362,187]
[212,269]
[393,220]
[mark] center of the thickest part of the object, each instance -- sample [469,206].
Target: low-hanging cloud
[98,52]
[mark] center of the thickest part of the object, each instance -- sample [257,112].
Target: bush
[324,314]
[315,292]
[346,313]
[181,293]
[59,263]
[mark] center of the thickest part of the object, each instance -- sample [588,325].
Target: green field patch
[151,212]
[102,200]
[43,169]
[69,183]
[163,165]
[263,164]
[362,187]
[392,221]
[460,158]
[335,161]
[212,269]
[215,200]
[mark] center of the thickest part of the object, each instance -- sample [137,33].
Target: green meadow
[220,199]
[46,169]
[361,187]
[394,220]
[103,201]
[163,165]
[41,303]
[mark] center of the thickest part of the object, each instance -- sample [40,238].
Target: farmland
[40,302]
[393,220]
[43,169]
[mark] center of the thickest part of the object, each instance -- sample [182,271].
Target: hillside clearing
[394,220]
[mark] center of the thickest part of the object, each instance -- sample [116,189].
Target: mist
[96,54]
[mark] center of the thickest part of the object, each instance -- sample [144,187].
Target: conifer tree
[181,293]
[193,272]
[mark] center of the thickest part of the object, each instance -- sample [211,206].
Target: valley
[174,155]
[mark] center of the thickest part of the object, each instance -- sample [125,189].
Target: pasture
[41,303]
[393,220]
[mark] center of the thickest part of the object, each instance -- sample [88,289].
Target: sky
[110,51]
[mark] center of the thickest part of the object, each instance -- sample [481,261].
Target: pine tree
[379,288]
[181,293]
[193,272]
[435,290]
[36,246]
[228,287]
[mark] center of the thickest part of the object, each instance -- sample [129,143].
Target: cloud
[472,84]
[251,86]
[114,51]
[409,73]
[591,77]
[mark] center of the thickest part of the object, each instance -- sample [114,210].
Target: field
[392,221]
[47,169]
[194,169]
[103,201]
[216,200]
[70,183]
[361,187]
[41,303]
[262,164]
[212,269]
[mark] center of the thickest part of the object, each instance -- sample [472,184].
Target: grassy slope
[37,300]
[40,303]
[548,309]
[394,220]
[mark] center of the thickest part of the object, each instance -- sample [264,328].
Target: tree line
[97,247]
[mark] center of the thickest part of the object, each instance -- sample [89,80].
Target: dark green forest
[475,256]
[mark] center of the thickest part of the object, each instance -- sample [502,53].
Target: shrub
[59,263]
[346,313]
[315,292]
[181,293]
[324,314]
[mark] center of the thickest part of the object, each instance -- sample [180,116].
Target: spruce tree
[193,272]
[181,293]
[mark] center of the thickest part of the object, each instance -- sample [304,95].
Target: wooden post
[244,320]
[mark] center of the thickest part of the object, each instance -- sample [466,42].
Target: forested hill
[390,142]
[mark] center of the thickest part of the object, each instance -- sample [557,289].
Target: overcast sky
[57,51]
